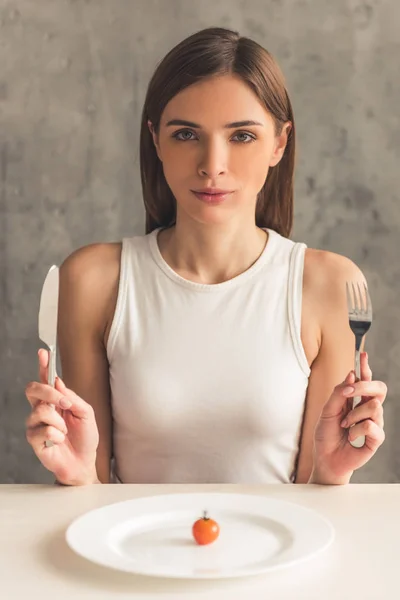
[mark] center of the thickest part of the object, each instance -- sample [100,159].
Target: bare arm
[88,291]
[325,276]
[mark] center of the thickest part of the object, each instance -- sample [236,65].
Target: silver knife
[48,312]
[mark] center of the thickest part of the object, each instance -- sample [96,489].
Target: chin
[211,216]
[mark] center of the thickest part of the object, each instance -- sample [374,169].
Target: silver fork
[360,319]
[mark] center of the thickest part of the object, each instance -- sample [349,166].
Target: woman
[212,349]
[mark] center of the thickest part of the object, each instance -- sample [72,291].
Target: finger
[60,385]
[41,392]
[375,389]
[66,400]
[38,436]
[374,435]
[44,414]
[365,370]
[337,401]
[43,356]
[350,379]
[79,407]
[370,410]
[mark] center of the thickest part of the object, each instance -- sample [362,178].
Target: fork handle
[360,441]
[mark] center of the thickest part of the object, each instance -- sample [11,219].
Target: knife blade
[48,313]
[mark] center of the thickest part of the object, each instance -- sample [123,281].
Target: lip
[212,199]
[212,191]
[212,196]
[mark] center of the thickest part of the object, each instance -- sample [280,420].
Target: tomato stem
[205,516]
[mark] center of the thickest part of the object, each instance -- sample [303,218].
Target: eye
[183,133]
[249,137]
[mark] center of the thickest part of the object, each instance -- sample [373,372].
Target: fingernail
[348,390]
[65,403]
[344,423]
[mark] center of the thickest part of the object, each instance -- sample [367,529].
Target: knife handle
[51,379]
[52,366]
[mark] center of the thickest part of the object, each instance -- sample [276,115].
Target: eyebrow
[227,126]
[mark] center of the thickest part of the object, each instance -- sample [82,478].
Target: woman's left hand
[335,459]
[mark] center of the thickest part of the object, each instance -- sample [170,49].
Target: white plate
[153,536]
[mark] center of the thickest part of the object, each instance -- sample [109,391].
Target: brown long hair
[218,51]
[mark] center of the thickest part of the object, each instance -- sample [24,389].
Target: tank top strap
[125,276]
[295,297]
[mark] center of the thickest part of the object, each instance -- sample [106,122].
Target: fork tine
[349,301]
[363,302]
[356,307]
[368,298]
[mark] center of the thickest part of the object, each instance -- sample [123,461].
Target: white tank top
[208,381]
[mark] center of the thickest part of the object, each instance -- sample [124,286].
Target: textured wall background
[73,79]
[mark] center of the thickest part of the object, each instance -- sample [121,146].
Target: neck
[211,254]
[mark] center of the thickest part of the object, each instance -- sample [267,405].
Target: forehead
[215,101]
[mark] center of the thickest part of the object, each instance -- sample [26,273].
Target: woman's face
[217,134]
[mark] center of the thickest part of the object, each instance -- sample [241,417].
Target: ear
[155,138]
[280,144]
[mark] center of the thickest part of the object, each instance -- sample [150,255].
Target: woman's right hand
[71,426]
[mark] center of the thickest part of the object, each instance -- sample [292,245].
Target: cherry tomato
[205,530]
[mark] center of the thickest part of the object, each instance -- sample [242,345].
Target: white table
[363,563]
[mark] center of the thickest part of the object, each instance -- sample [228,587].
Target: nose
[213,159]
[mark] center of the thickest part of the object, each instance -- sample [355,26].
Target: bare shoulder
[92,263]
[324,290]
[326,273]
[324,297]
[89,283]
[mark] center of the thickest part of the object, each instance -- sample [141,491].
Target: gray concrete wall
[72,81]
